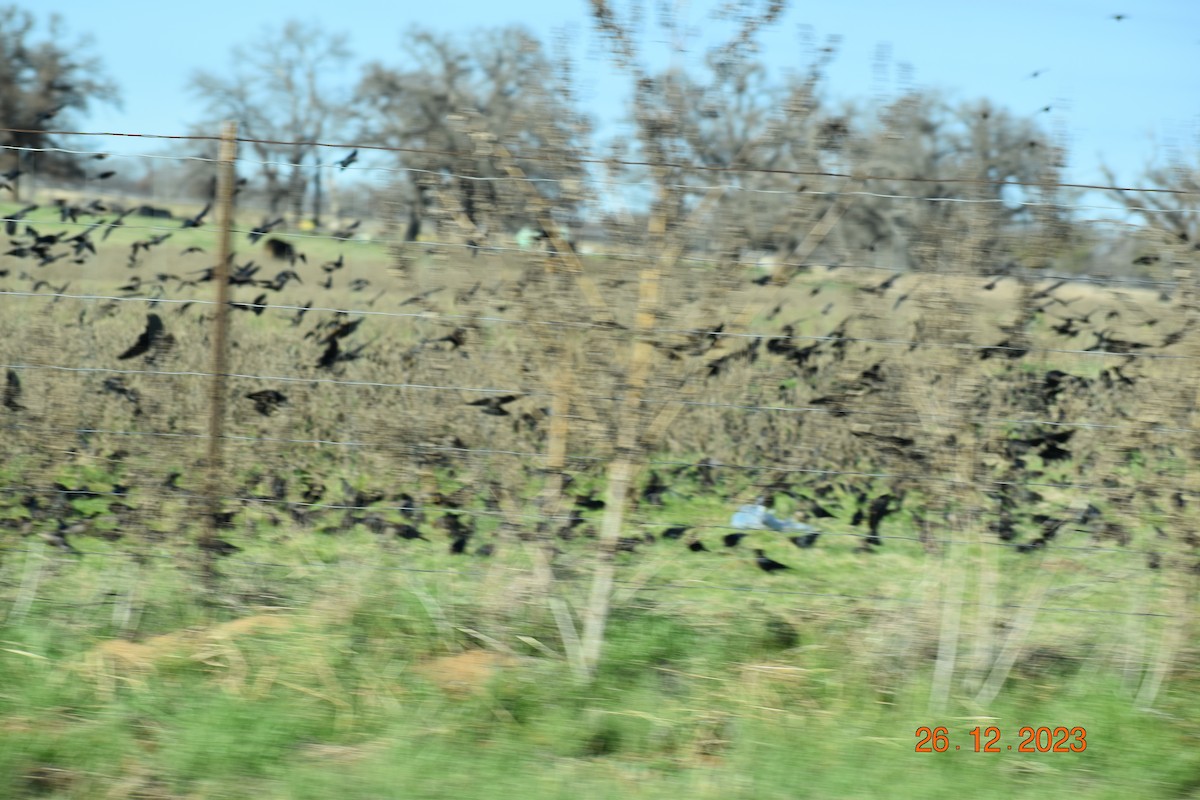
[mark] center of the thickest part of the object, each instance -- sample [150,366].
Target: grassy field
[339,656]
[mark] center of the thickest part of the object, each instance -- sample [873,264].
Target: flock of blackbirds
[335,340]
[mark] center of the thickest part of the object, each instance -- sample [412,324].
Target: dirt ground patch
[464,673]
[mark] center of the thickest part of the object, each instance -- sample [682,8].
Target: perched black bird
[805,541]
[267,401]
[406,531]
[283,251]
[767,564]
[880,509]
[153,334]
[12,392]
[820,512]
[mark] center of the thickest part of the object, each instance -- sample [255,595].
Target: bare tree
[284,88]
[515,94]
[1166,209]
[970,159]
[44,84]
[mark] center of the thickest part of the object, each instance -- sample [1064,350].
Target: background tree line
[466,114]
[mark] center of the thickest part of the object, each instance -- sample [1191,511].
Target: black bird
[880,509]
[333,354]
[219,547]
[697,546]
[674,533]
[267,401]
[296,320]
[198,220]
[283,251]
[153,334]
[347,232]
[820,512]
[732,539]
[344,330]
[115,385]
[495,405]
[457,338]
[406,531]
[263,229]
[348,160]
[257,305]
[330,356]
[459,545]
[805,541]
[767,564]
[12,392]
[1118,17]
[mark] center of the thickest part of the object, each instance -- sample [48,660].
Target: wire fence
[608,403]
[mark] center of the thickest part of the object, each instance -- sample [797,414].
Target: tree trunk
[318,196]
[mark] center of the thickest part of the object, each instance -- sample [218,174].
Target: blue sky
[1121,91]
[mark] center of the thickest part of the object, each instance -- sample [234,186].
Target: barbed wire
[619,162]
[610,182]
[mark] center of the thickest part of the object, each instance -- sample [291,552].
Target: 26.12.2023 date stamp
[987,740]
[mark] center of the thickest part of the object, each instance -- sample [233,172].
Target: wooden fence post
[220,343]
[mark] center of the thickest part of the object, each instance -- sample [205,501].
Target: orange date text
[988,740]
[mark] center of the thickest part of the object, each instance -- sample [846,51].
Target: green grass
[399,670]
[702,692]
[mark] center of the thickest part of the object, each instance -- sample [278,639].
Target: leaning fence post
[220,341]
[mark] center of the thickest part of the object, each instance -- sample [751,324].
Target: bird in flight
[12,392]
[147,339]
